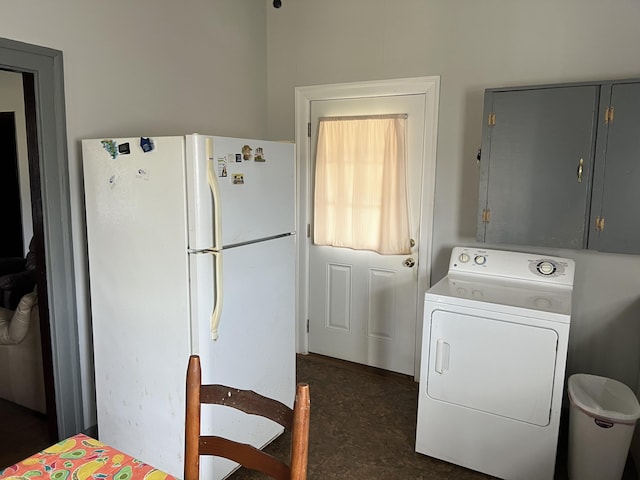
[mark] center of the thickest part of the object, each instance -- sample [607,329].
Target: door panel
[540,154]
[493,366]
[363,305]
[617,185]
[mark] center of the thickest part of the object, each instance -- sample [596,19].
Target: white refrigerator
[191,248]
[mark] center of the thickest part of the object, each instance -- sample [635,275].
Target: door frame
[47,139]
[430,87]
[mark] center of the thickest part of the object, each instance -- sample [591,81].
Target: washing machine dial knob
[464,257]
[546,268]
[480,259]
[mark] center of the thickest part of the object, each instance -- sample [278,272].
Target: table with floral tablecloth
[82,458]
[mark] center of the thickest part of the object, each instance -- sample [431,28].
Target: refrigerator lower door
[255,349]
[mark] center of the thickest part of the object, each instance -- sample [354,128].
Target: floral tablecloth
[81,458]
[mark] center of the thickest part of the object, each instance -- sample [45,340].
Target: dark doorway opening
[12,246]
[35,182]
[11,241]
[43,84]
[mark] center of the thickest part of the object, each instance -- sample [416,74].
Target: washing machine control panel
[477,259]
[512,265]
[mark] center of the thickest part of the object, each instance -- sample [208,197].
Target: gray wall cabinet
[560,166]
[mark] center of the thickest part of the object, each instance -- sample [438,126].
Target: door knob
[409,262]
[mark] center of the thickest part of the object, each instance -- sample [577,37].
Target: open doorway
[28,404]
[11,240]
[42,77]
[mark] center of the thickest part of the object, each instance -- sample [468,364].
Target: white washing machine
[494,350]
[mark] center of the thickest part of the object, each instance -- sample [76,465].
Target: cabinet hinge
[307,325]
[491,121]
[608,115]
[486,215]
[309,129]
[308,230]
[599,224]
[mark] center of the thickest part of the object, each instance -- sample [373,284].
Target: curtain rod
[366,117]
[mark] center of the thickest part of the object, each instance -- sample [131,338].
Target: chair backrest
[295,420]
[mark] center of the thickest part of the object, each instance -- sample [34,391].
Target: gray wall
[149,67]
[472,46]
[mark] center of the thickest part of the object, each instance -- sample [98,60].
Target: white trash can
[601,422]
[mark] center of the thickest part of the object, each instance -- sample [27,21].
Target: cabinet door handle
[580,167]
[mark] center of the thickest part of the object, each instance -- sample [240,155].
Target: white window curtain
[361,184]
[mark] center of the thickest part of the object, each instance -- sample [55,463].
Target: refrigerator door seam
[258,240]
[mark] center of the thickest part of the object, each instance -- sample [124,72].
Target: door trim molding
[428,86]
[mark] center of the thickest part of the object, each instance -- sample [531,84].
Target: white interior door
[363,306]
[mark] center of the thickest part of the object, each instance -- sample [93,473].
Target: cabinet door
[535,173]
[616,194]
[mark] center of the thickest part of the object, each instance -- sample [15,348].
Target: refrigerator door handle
[217,308]
[215,194]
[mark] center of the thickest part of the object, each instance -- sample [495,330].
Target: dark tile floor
[363,423]
[23,432]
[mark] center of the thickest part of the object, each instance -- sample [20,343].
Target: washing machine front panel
[499,367]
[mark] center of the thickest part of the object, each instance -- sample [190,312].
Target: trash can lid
[604,398]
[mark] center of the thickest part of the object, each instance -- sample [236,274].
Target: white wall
[11,100]
[149,67]
[475,45]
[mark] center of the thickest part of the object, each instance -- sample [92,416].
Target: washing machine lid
[532,299]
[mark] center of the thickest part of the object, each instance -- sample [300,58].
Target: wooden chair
[296,421]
